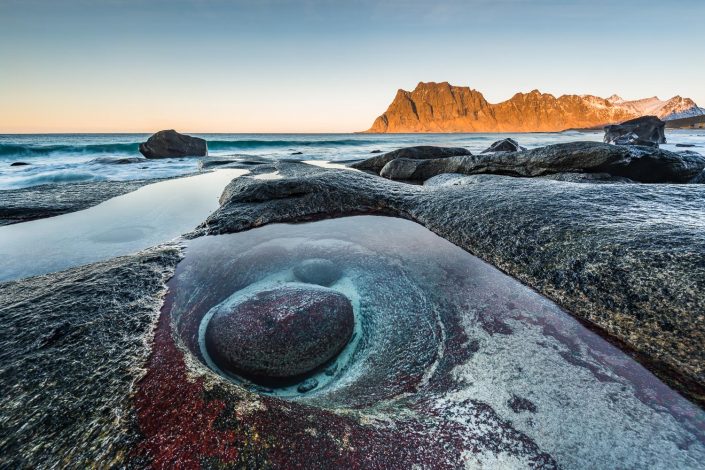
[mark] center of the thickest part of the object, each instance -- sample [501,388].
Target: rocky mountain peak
[442,107]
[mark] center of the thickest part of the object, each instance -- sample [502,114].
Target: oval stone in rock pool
[281,332]
[317,271]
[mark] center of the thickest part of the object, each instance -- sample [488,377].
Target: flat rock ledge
[50,200]
[641,164]
[628,259]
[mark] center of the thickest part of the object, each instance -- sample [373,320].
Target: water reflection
[146,217]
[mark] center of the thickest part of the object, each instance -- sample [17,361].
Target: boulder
[280,333]
[166,144]
[645,131]
[642,164]
[504,145]
[19,164]
[421,152]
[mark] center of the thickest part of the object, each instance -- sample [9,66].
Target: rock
[117,161]
[504,145]
[317,271]
[296,153]
[645,165]
[50,200]
[406,168]
[589,178]
[280,333]
[19,164]
[376,151]
[577,244]
[421,152]
[307,385]
[241,162]
[457,179]
[699,179]
[166,144]
[686,145]
[519,404]
[645,130]
[330,371]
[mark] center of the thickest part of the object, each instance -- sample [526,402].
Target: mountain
[441,107]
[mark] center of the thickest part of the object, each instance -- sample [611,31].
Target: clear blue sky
[324,66]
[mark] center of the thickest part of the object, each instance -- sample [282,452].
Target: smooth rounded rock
[281,332]
[317,271]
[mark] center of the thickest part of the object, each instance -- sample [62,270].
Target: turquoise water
[66,158]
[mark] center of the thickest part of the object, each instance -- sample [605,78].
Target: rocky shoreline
[50,200]
[626,258]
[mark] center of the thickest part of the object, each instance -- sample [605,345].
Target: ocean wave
[32,150]
[54,177]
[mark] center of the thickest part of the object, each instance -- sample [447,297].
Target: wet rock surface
[72,347]
[645,130]
[642,164]
[468,368]
[464,346]
[169,143]
[241,162]
[39,202]
[628,259]
[421,152]
[280,333]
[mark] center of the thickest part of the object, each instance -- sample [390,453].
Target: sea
[69,158]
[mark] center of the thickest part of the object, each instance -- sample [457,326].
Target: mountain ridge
[441,107]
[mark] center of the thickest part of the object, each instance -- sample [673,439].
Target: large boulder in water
[642,164]
[421,152]
[645,130]
[281,332]
[504,145]
[169,143]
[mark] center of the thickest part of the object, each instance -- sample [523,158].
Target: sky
[323,65]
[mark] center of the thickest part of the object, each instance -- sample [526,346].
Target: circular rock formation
[317,271]
[280,333]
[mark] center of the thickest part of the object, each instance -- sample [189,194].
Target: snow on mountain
[674,108]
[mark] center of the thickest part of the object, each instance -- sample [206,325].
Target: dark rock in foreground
[421,152]
[280,333]
[642,164]
[504,145]
[166,144]
[72,406]
[89,381]
[645,131]
[19,164]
